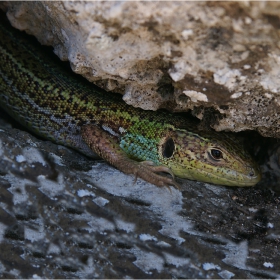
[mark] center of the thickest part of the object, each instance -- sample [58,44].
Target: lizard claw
[147,170]
[158,168]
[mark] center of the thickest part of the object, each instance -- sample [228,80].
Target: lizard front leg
[108,148]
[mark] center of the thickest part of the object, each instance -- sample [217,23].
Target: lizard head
[209,157]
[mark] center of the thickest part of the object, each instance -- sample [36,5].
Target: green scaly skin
[56,104]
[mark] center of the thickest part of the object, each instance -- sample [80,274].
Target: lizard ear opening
[168,148]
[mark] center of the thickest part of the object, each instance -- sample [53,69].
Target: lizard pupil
[168,148]
[216,154]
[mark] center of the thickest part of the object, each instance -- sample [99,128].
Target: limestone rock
[66,216]
[219,59]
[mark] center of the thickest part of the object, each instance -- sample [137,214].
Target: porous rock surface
[220,59]
[63,215]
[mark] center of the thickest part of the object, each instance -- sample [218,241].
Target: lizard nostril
[252,173]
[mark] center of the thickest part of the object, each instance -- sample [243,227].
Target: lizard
[56,104]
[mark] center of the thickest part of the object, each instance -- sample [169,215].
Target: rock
[66,216]
[217,59]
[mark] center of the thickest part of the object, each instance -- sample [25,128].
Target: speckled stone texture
[63,215]
[220,59]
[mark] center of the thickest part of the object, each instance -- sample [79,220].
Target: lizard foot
[108,148]
[147,170]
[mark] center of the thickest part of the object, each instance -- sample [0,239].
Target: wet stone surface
[63,215]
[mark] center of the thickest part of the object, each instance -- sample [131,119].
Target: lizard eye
[216,154]
[168,148]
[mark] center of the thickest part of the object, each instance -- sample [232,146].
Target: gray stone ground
[63,215]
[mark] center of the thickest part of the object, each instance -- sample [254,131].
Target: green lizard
[57,105]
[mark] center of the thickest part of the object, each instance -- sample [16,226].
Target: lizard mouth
[228,177]
[237,180]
